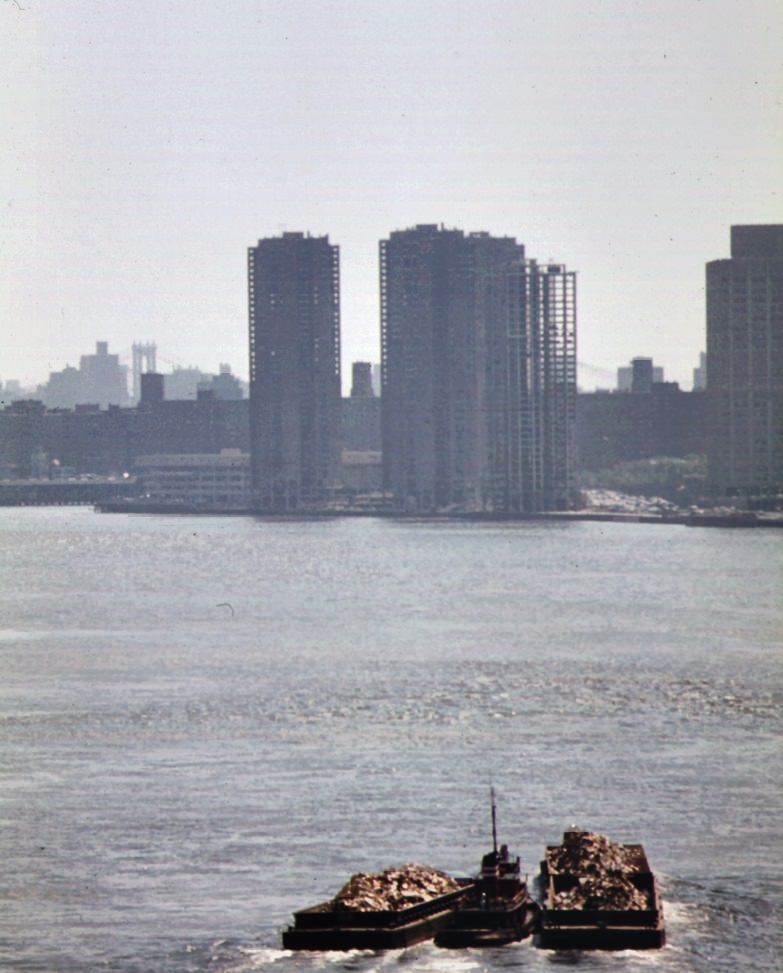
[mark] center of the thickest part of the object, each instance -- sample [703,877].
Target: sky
[147,144]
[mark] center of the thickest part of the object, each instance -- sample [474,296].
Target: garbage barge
[386,910]
[598,895]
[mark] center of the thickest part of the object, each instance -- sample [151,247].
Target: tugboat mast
[494,821]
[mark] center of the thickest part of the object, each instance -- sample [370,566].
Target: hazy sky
[147,144]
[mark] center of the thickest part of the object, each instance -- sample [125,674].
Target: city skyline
[147,143]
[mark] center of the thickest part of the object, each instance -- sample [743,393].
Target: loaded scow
[598,895]
[381,910]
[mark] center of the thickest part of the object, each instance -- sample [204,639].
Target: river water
[208,723]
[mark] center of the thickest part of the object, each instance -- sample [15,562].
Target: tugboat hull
[488,927]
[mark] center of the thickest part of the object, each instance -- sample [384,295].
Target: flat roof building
[295,404]
[745,363]
[219,481]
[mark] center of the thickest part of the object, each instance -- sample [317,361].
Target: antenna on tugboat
[494,820]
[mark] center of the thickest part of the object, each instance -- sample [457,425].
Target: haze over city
[148,145]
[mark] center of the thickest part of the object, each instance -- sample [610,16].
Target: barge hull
[324,928]
[600,937]
[346,937]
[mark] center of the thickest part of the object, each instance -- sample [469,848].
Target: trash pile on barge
[604,873]
[385,910]
[393,889]
[599,895]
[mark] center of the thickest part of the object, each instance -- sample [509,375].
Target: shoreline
[707,519]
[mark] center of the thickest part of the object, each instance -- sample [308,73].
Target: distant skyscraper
[700,373]
[144,360]
[479,373]
[99,380]
[362,412]
[294,298]
[745,363]
[225,385]
[361,384]
[183,382]
[151,388]
[638,376]
[105,380]
[376,377]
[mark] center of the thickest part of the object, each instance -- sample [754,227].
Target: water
[208,723]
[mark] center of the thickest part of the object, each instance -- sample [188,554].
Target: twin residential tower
[294,300]
[478,359]
[745,364]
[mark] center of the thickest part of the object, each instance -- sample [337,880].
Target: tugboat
[497,908]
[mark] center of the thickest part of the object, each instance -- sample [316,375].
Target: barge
[389,910]
[598,895]
[497,908]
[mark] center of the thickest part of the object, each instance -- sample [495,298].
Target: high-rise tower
[745,363]
[294,300]
[479,373]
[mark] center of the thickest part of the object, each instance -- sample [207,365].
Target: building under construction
[478,374]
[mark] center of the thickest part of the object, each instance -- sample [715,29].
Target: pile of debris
[602,870]
[394,889]
[602,892]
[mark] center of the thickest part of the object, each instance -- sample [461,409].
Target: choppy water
[180,775]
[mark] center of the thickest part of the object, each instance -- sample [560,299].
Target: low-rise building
[218,480]
[362,470]
[615,427]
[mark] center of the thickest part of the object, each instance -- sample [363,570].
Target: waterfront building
[478,359]
[217,480]
[294,302]
[619,427]
[108,441]
[745,363]
[362,471]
